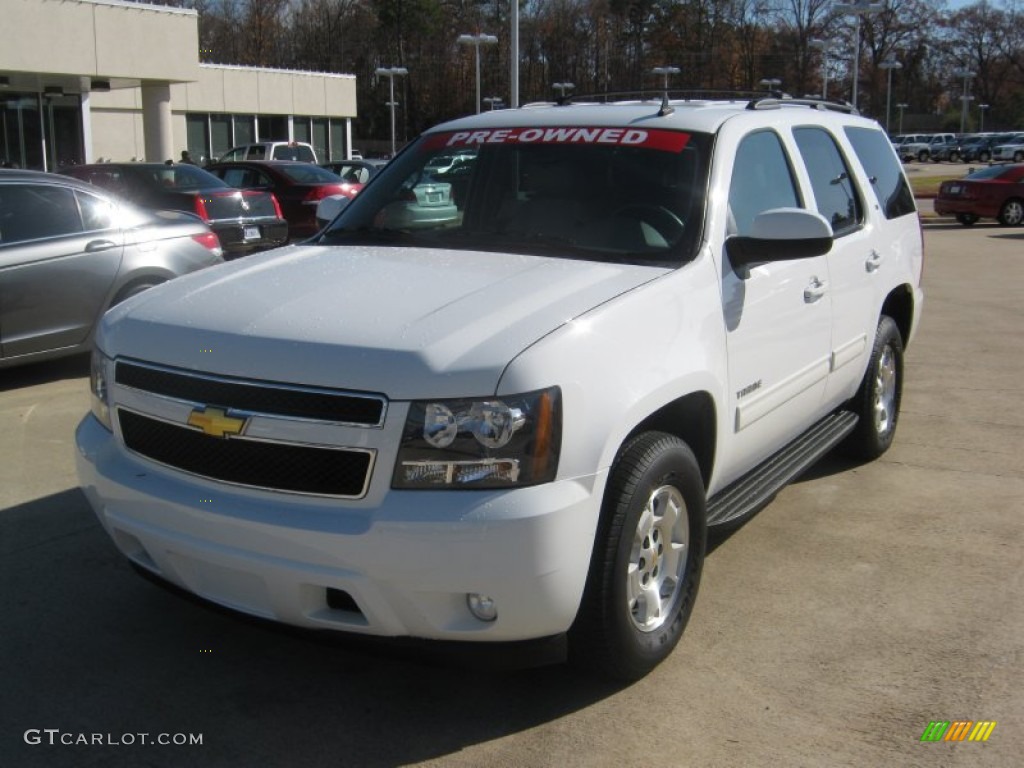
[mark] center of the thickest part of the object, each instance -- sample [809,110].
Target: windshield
[607,194]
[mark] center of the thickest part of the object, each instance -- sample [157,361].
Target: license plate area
[250,233]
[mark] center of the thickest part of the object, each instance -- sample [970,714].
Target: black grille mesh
[300,469]
[257,398]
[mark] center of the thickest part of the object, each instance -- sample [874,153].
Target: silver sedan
[69,252]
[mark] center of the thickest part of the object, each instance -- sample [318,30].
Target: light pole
[665,72]
[391,73]
[858,9]
[823,46]
[901,106]
[476,41]
[492,101]
[981,112]
[562,88]
[966,74]
[889,65]
[771,83]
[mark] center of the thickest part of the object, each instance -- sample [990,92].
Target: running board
[758,486]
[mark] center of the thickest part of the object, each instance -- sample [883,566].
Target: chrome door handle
[99,245]
[815,290]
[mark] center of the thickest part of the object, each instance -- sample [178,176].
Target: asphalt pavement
[865,602]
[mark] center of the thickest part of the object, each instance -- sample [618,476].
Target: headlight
[493,442]
[98,386]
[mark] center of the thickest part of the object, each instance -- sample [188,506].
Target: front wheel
[922,156]
[967,219]
[984,156]
[877,402]
[647,561]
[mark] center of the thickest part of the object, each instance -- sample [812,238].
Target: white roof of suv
[694,115]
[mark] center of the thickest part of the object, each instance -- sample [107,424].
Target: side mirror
[328,209]
[781,234]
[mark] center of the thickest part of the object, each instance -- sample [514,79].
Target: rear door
[60,250]
[855,258]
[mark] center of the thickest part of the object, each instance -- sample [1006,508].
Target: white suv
[271,150]
[517,421]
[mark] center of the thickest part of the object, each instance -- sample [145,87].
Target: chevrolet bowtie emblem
[216,422]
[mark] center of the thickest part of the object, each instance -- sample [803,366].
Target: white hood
[407,323]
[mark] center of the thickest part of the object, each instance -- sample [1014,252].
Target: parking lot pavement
[863,603]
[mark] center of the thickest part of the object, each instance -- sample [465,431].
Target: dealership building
[89,80]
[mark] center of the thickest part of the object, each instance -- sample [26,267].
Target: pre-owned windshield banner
[647,138]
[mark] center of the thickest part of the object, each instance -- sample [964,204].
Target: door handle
[99,245]
[815,290]
[873,262]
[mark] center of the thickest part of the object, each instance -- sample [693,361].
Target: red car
[297,186]
[996,192]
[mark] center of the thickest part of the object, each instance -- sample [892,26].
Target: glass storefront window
[198,138]
[319,140]
[220,134]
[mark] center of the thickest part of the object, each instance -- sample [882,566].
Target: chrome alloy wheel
[885,391]
[1013,213]
[657,561]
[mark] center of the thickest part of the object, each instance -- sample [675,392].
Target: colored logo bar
[958,730]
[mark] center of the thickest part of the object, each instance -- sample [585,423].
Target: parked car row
[968,148]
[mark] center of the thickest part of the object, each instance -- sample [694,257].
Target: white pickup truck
[515,418]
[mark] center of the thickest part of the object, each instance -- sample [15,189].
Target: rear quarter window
[883,169]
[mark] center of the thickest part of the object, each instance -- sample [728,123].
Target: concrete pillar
[157,130]
[87,129]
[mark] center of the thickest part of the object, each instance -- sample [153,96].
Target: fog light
[482,606]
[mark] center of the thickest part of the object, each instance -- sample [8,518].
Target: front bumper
[401,568]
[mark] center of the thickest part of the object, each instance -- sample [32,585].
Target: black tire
[954,157]
[984,156]
[1018,156]
[655,486]
[1012,213]
[133,290]
[877,402]
[967,219]
[922,156]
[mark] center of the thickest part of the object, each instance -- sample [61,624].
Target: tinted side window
[761,180]
[36,211]
[882,167]
[834,192]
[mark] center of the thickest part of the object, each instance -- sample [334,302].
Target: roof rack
[754,99]
[776,100]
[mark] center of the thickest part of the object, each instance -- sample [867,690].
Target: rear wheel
[954,156]
[922,156]
[1012,213]
[984,156]
[967,219]
[877,402]
[1018,156]
[647,560]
